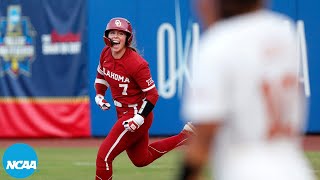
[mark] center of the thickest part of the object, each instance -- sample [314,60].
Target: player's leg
[116,142]
[112,146]
[167,144]
[142,154]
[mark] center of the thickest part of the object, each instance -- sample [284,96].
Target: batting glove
[134,123]
[101,102]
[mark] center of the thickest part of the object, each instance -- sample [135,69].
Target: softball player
[245,101]
[134,94]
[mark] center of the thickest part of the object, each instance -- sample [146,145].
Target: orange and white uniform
[246,79]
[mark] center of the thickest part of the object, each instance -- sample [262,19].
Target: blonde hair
[133,44]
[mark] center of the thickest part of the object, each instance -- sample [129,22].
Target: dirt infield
[310,142]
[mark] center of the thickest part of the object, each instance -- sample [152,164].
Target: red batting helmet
[121,24]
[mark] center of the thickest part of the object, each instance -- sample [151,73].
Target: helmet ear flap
[107,41]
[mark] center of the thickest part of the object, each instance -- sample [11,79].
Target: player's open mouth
[115,42]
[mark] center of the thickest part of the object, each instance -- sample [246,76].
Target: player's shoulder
[266,22]
[241,30]
[105,50]
[134,59]
[104,53]
[282,24]
[276,17]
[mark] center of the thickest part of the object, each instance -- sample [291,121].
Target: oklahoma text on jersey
[116,76]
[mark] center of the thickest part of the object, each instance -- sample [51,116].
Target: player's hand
[101,102]
[134,123]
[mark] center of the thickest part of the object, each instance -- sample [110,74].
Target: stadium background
[46,86]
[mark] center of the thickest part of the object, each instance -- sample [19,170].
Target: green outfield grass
[79,164]
[314,158]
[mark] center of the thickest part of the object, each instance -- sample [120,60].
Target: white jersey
[239,60]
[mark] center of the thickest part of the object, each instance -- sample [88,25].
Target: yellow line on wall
[45,99]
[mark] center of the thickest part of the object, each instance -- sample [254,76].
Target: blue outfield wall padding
[169,28]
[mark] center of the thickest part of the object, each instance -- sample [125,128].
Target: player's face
[119,40]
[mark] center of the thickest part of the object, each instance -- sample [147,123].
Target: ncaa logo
[20,160]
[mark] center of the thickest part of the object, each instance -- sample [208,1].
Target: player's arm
[206,105]
[101,86]
[145,82]
[195,159]
[144,79]
[149,102]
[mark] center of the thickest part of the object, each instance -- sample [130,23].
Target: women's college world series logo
[17,43]
[20,160]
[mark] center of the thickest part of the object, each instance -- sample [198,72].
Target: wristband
[146,108]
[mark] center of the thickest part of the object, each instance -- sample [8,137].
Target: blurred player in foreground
[134,93]
[245,101]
